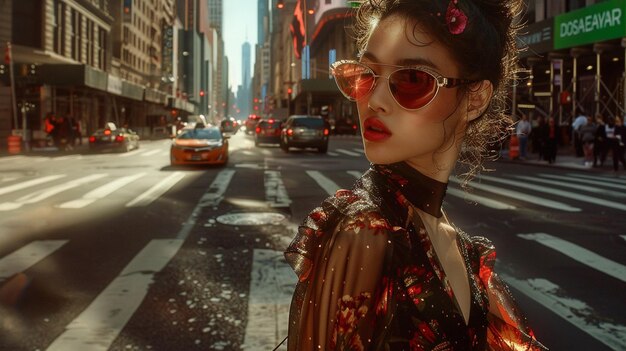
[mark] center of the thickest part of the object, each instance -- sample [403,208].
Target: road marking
[328,185]
[361,151]
[97,326]
[566,194]
[580,254]
[346,152]
[330,153]
[485,201]
[521,196]
[592,181]
[29,183]
[157,190]
[576,312]
[590,189]
[68,157]
[27,256]
[101,192]
[355,174]
[272,282]
[46,193]
[12,158]
[275,192]
[211,198]
[623,237]
[151,152]
[266,152]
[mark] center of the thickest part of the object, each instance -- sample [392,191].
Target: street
[121,251]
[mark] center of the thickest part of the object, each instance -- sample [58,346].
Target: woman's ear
[479,96]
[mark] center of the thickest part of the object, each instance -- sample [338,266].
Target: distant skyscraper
[262,21]
[215,15]
[245,65]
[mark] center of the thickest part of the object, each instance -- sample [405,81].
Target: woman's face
[423,138]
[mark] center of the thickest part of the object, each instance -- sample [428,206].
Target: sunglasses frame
[440,81]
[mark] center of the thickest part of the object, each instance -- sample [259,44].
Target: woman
[379,266]
[587,134]
[551,137]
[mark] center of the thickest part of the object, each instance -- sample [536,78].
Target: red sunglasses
[412,87]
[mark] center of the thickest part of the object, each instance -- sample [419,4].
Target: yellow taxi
[199,146]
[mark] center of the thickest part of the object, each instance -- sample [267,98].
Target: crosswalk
[96,327]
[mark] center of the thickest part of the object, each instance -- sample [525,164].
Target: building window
[58,40]
[27,15]
[102,42]
[574,5]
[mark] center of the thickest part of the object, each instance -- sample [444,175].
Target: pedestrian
[613,142]
[620,133]
[599,142]
[578,122]
[380,267]
[587,136]
[537,134]
[522,130]
[550,140]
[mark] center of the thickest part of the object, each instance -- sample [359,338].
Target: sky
[240,20]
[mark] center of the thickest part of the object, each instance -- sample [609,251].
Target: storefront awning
[155,96]
[181,105]
[72,75]
[132,91]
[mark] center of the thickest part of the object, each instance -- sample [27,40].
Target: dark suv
[267,131]
[305,131]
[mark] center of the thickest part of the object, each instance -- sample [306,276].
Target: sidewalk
[565,158]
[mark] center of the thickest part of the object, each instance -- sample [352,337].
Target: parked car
[304,131]
[267,131]
[346,126]
[251,123]
[113,138]
[200,146]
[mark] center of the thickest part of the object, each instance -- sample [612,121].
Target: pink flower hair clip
[455,18]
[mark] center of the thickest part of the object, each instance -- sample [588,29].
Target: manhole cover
[251,218]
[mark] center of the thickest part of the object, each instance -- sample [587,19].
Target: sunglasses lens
[354,81]
[412,88]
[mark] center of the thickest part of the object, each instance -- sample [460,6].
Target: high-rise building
[245,65]
[215,15]
[262,22]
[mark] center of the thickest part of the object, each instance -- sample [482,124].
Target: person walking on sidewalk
[537,137]
[522,130]
[578,122]
[599,142]
[617,144]
[588,136]
[551,140]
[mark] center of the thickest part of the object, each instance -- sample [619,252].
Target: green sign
[599,22]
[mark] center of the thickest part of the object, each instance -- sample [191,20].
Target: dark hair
[485,50]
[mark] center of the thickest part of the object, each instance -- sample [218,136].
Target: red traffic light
[201,93]
[256,100]
[289,91]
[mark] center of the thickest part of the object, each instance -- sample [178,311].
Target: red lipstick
[375,130]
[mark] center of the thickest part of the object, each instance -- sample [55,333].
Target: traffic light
[289,91]
[201,93]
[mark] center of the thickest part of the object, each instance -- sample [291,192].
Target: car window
[201,134]
[308,122]
[268,125]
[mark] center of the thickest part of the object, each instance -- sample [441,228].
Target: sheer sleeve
[338,305]
[508,329]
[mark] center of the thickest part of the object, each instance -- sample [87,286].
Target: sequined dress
[369,278]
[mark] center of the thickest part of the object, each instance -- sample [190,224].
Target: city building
[573,59]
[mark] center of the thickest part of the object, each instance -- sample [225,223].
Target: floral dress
[369,278]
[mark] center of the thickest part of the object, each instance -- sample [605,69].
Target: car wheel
[322,149]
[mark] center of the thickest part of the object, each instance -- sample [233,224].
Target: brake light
[92,139]
[119,138]
[290,132]
[258,130]
[107,132]
[325,131]
[354,126]
[270,120]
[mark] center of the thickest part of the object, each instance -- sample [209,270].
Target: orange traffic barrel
[14,144]
[514,147]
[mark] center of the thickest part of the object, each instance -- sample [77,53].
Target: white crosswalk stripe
[522,196]
[101,192]
[482,200]
[360,151]
[96,327]
[157,190]
[579,254]
[602,180]
[566,194]
[587,180]
[275,192]
[46,193]
[27,256]
[328,185]
[29,183]
[576,312]
[347,152]
[333,154]
[562,184]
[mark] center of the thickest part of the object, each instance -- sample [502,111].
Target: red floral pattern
[350,311]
